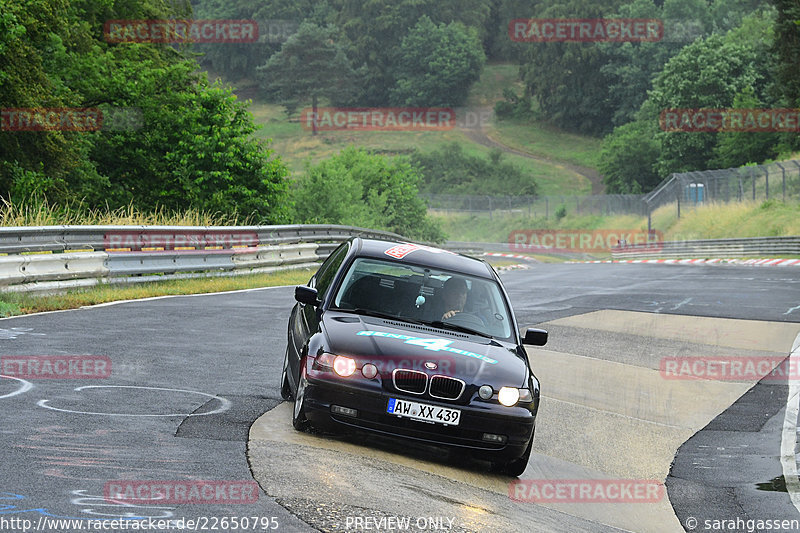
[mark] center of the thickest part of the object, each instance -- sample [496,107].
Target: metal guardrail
[60,257]
[712,248]
[44,258]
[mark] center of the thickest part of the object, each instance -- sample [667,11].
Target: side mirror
[306,295]
[534,336]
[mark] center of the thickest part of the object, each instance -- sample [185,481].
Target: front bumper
[325,390]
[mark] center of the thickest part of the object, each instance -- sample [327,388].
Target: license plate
[424,412]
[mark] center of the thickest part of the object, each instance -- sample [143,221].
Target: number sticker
[433,345]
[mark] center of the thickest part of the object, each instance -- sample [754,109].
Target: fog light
[508,396]
[344,366]
[369,371]
[491,437]
[486,392]
[346,411]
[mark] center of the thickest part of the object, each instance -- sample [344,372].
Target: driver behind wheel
[454,294]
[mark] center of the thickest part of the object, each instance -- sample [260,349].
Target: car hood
[391,344]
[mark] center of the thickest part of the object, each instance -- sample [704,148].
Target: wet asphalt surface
[189,375]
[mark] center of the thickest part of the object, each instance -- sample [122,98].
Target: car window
[324,276]
[418,293]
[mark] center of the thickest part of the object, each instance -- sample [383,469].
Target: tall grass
[711,221]
[42,213]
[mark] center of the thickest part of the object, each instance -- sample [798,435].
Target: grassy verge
[296,146]
[41,213]
[12,304]
[549,143]
[716,221]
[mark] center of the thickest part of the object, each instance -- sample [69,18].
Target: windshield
[423,294]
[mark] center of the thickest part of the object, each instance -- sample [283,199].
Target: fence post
[766,178]
[783,179]
[753,179]
[546,208]
[741,189]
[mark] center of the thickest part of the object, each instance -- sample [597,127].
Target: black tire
[299,420]
[516,467]
[286,389]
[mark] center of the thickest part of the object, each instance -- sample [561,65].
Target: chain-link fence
[761,182]
[538,206]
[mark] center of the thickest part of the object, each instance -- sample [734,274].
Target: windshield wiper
[378,314]
[455,327]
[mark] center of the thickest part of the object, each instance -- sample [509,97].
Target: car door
[305,318]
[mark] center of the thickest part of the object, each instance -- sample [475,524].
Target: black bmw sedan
[413,342]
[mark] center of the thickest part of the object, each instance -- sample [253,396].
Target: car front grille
[411,381]
[446,388]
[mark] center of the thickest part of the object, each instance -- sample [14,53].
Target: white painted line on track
[225,403]
[789,436]
[26,386]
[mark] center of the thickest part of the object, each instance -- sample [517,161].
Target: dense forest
[190,141]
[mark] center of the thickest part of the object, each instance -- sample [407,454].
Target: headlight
[508,396]
[344,366]
[525,396]
[485,392]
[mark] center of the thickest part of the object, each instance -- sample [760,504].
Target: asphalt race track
[192,395]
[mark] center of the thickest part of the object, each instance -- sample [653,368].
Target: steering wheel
[468,320]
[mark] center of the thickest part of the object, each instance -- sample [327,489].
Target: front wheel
[516,467]
[299,420]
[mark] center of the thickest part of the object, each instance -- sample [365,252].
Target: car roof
[418,254]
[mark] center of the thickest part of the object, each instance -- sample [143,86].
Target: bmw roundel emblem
[430,365]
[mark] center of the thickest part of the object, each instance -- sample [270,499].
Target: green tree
[627,158]
[436,65]
[709,73]
[737,148]
[192,148]
[367,190]
[786,50]
[567,78]
[309,65]
[375,28]
[449,170]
